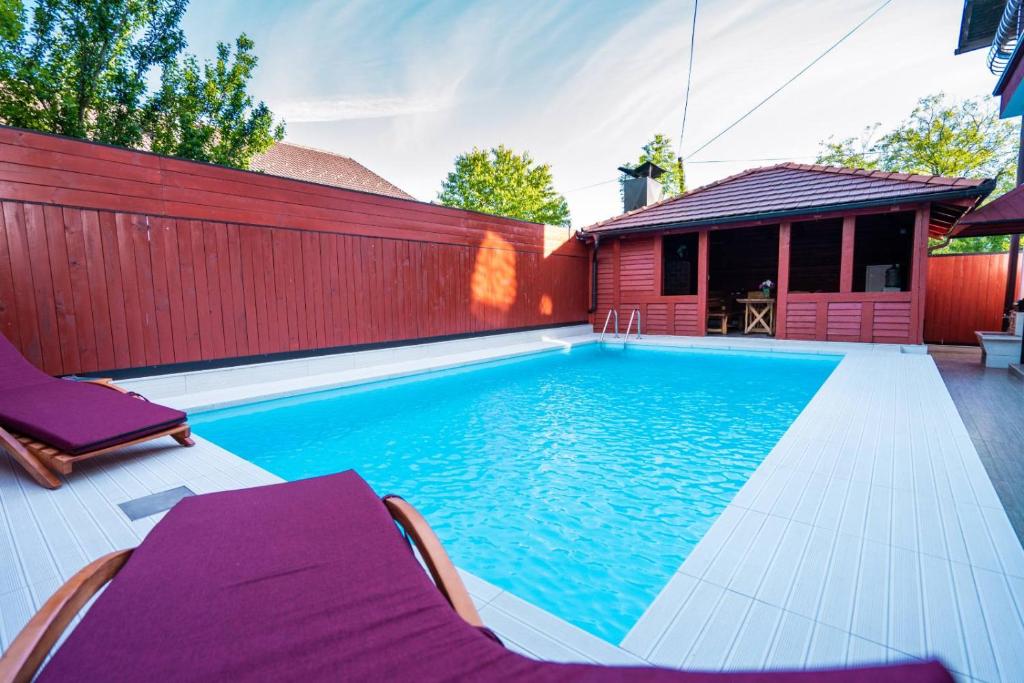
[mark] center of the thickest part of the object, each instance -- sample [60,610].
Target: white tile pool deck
[870,533]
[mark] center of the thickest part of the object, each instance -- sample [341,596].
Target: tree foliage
[83,68]
[206,113]
[659,151]
[499,181]
[940,137]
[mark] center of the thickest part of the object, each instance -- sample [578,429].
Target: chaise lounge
[49,424]
[305,581]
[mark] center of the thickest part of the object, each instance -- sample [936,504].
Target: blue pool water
[578,480]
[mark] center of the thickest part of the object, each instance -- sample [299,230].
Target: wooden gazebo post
[846,263]
[919,273]
[782,281]
[702,283]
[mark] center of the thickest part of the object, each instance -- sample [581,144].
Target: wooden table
[758,315]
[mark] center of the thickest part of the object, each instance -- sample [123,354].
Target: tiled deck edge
[295,379]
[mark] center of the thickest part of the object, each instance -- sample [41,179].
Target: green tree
[83,68]
[659,151]
[206,113]
[939,138]
[501,182]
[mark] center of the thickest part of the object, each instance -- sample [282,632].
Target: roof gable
[789,189]
[326,168]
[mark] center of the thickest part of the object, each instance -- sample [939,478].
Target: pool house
[844,251]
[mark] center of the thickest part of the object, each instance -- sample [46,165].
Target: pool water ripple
[578,480]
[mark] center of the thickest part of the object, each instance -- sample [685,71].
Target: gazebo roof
[1002,216]
[791,190]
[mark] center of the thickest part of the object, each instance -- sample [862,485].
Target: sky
[404,87]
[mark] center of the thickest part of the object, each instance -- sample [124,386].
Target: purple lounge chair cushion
[311,581]
[75,417]
[15,370]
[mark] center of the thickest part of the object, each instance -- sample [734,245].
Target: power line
[717,161]
[689,77]
[733,161]
[587,187]
[789,158]
[796,76]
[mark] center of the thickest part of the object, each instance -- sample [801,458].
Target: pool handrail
[635,314]
[615,312]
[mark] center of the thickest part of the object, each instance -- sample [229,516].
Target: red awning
[1002,216]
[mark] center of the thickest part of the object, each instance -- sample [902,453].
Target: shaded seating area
[309,580]
[738,262]
[48,424]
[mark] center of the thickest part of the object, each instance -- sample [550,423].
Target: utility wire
[689,77]
[715,161]
[587,187]
[795,76]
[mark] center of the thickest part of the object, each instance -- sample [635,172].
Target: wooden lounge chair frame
[43,462]
[33,645]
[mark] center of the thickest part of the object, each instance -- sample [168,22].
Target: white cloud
[350,108]
[405,87]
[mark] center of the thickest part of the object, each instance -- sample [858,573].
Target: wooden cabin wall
[630,277]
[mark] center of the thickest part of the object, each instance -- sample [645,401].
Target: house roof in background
[327,168]
[792,189]
[978,24]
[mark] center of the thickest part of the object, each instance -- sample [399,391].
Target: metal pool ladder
[634,314]
[608,318]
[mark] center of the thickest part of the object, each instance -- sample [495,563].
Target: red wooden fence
[113,259]
[965,293]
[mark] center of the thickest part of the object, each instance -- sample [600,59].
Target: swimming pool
[577,480]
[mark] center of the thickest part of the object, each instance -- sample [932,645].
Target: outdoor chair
[49,424]
[718,316]
[305,581]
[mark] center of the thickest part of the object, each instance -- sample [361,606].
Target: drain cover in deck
[137,508]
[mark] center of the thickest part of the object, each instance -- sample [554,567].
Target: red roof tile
[326,168]
[788,189]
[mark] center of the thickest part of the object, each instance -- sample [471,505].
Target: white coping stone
[870,532]
[197,381]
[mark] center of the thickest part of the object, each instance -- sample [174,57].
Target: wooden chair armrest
[433,553]
[28,650]
[105,382]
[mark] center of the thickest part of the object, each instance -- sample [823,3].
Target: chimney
[641,187]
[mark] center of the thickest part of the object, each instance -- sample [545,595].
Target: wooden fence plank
[78,270]
[115,289]
[140,241]
[8,311]
[63,296]
[161,292]
[39,263]
[96,267]
[28,323]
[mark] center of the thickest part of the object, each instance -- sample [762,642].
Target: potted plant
[766,288]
